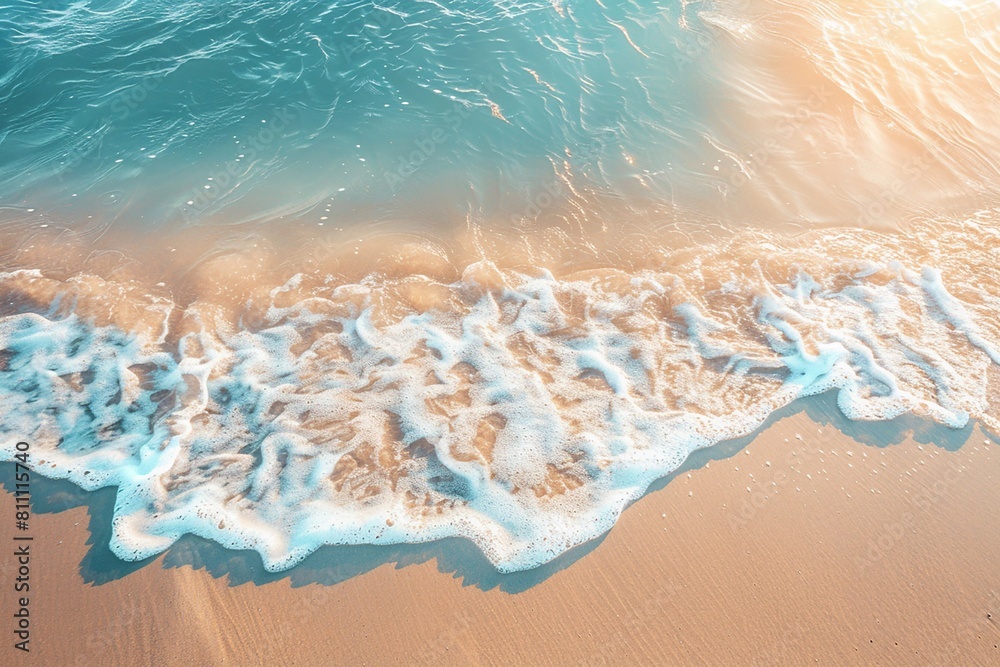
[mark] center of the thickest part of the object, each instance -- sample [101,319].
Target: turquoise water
[425,111]
[130,107]
[288,274]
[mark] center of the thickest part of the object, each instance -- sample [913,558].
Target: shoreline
[844,551]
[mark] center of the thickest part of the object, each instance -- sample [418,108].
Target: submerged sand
[802,544]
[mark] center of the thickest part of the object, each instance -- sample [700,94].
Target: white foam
[525,421]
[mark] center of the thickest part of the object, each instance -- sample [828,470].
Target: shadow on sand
[455,556]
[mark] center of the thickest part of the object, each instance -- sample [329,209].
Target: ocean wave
[157,114]
[516,408]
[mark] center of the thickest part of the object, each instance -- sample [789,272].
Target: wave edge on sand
[518,409]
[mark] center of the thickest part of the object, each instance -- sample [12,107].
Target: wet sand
[769,550]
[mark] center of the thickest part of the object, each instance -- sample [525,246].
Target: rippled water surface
[301,273]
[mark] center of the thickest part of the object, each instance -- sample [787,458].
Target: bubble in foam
[521,411]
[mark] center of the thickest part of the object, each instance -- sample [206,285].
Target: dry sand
[819,550]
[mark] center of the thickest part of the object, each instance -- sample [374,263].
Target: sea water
[298,273]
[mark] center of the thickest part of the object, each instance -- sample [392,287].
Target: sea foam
[518,409]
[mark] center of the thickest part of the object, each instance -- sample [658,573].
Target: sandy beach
[500,333]
[800,544]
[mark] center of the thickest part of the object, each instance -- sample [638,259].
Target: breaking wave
[521,410]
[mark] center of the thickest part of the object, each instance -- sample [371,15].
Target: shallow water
[291,274]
